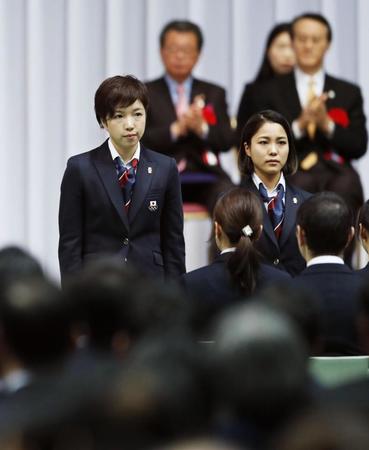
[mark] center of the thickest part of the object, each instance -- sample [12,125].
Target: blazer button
[125,260]
[276,262]
[126,241]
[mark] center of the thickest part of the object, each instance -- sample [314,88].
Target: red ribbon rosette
[339,116]
[209,115]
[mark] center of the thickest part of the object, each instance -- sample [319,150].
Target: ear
[247,149]
[301,236]
[350,235]
[217,229]
[104,124]
[363,232]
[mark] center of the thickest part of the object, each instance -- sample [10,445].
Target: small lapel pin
[153,205]
[294,200]
[149,170]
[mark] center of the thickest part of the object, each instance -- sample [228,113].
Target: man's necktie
[182,102]
[126,178]
[275,207]
[310,96]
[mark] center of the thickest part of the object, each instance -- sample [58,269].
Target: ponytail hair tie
[247,231]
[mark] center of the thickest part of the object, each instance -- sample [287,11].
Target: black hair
[326,220]
[182,26]
[313,16]
[118,91]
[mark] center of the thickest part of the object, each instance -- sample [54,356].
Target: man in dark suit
[187,118]
[121,198]
[326,114]
[323,231]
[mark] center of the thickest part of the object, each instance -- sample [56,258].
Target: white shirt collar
[273,192]
[228,250]
[325,259]
[114,153]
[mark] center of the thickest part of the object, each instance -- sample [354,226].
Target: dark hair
[182,26]
[252,126]
[326,220]
[313,16]
[118,91]
[34,318]
[234,210]
[266,71]
[16,263]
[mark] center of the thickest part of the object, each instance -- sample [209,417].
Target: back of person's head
[182,26]
[313,16]
[259,364]
[118,92]
[252,126]
[302,309]
[34,321]
[116,305]
[266,70]
[239,213]
[16,263]
[326,221]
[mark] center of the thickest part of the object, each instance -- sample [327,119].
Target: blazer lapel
[167,99]
[145,172]
[292,203]
[267,224]
[106,169]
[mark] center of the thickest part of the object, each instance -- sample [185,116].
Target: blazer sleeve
[246,108]
[172,240]
[221,137]
[70,220]
[351,141]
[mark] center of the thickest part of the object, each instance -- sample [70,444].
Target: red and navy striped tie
[126,178]
[275,207]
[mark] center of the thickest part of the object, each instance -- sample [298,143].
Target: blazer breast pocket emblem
[153,206]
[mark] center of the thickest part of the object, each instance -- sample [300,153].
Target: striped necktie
[275,207]
[126,178]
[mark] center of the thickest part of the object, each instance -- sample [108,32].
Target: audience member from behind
[16,263]
[113,306]
[188,117]
[301,307]
[237,271]
[259,372]
[34,324]
[324,229]
[279,58]
[363,233]
[266,157]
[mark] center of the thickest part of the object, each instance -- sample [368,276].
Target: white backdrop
[55,53]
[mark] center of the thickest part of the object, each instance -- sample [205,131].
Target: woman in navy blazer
[363,223]
[122,199]
[237,271]
[267,156]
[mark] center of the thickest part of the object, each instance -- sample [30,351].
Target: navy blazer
[93,222]
[364,272]
[212,284]
[348,140]
[283,253]
[162,114]
[336,288]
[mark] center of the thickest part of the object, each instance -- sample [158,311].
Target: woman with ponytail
[237,272]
